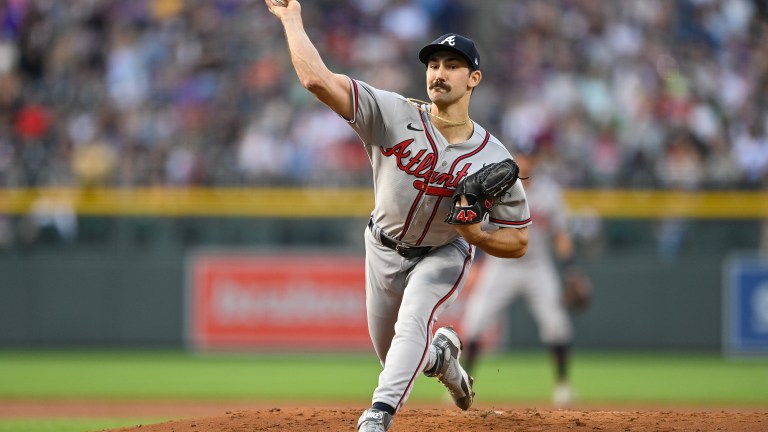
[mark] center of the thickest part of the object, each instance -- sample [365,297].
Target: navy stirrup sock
[381,406]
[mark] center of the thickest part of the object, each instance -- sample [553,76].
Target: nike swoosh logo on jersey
[414,128]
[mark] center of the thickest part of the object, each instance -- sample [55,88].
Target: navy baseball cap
[457,43]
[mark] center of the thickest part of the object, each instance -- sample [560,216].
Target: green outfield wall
[120,282]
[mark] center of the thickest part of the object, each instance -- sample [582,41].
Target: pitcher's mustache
[440,84]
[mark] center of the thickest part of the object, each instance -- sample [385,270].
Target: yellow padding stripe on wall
[663,204]
[357,202]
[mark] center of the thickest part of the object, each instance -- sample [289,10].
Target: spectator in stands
[175,90]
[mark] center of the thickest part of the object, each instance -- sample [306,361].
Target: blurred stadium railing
[355,202]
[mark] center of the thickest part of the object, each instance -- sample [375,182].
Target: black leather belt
[402,249]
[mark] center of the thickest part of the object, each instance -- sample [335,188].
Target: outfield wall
[122,282]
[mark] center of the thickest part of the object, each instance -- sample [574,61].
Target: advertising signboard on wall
[252,301]
[745,314]
[246,301]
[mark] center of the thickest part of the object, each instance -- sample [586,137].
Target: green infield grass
[70,425]
[672,379]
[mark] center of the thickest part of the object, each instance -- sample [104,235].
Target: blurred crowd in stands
[632,93]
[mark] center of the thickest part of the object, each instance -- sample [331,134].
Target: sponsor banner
[745,329]
[252,301]
[277,302]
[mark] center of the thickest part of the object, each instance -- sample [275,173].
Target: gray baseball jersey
[415,172]
[534,276]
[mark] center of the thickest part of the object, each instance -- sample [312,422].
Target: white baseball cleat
[374,420]
[448,370]
[563,395]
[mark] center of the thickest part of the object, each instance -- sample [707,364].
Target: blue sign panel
[746,306]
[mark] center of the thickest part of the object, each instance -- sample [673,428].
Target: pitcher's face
[449,77]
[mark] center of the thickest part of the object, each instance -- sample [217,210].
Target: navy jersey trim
[356,97]
[509,223]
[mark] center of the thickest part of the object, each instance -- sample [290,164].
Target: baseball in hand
[282,3]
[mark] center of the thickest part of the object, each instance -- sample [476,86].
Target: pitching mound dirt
[448,420]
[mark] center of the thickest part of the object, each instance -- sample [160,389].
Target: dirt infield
[444,420]
[243,416]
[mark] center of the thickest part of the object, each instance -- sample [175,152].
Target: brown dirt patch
[243,416]
[445,420]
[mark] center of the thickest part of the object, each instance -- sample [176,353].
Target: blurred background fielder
[536,277]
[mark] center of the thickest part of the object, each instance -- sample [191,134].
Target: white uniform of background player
[416,264]
[534,277]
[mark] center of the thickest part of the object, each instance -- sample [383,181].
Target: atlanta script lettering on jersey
[421,165]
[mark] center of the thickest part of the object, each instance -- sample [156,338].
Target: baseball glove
[482,190]
[577,290]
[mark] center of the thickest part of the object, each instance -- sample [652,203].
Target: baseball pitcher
[437,175]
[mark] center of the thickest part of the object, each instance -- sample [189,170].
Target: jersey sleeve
[374,110]
[512,209]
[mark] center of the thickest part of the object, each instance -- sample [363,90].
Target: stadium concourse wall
[657,260]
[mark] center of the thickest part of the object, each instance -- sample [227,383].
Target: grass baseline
[673,379]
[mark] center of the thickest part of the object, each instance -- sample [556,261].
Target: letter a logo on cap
[450,40]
